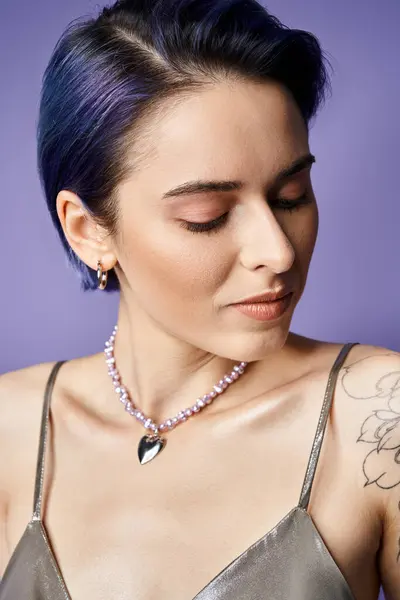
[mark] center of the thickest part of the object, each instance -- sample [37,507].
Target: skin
[165,529]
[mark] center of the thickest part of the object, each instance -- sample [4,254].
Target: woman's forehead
[225,125]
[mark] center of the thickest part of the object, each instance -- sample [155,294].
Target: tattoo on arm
[381,430]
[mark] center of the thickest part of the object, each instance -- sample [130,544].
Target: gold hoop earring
[102,277]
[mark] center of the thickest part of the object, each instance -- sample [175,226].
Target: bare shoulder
[365,416]
[366,360]
[368,408]
[20,392]
[363,375]
[370,384]
[368,388]
[25,375]
[21,400]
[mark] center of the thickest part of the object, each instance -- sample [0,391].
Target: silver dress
[289,562]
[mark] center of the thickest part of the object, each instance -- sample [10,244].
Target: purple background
[353,290]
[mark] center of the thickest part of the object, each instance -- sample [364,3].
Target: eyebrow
[201,186]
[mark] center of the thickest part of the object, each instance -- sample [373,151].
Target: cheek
[179,267]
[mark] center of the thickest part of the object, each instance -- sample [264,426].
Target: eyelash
[213,226]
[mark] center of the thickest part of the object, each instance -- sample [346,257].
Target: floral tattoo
[381,430]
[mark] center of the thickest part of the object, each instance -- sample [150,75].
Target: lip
[268,296]
[266,311]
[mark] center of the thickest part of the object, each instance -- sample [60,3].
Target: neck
[164,375]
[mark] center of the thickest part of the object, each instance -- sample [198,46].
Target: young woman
[208,452]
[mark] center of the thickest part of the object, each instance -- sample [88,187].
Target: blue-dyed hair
[107,73]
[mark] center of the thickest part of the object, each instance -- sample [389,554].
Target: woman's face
[244,134]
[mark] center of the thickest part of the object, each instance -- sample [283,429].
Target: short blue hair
[108,72]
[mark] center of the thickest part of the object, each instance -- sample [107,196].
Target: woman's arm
[381,432]
[390,550]
[390,553]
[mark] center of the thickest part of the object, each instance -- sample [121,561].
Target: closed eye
[216,224]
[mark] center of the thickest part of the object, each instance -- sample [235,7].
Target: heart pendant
[149,447]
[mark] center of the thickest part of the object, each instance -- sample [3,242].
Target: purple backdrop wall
[353,290]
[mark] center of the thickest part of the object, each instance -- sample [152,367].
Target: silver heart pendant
[149,447]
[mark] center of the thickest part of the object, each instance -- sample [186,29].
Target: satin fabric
[290,562]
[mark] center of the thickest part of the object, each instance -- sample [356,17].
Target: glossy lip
[269,296]
[266,311]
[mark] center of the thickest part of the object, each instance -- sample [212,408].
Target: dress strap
[323,419]
[37,503]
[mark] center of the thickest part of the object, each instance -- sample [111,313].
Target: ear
[87,238]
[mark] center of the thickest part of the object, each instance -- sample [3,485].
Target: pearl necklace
[152,443]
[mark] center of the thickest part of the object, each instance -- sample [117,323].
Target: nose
[264,243]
